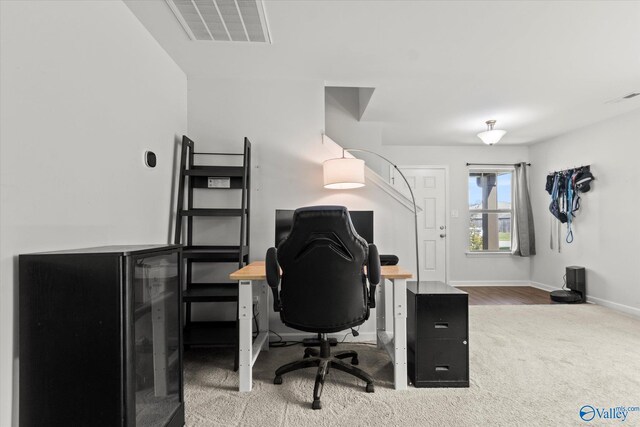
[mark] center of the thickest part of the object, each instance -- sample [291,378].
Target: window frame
[496,170]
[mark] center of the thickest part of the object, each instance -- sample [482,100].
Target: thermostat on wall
[216,182]
[150,159]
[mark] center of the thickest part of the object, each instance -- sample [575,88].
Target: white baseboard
[633,311]
[299,336]
[458,283]
[543,286]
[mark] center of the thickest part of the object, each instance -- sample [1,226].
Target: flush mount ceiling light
[491,135]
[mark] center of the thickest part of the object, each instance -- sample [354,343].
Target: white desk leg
[380,312]
[245,319]
[389,286]
[400,333]
[263,309]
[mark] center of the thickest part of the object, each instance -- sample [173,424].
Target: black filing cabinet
[437,335]
[101,337]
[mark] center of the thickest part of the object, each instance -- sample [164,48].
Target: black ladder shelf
[192,176]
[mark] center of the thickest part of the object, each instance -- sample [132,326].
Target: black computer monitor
[362,222]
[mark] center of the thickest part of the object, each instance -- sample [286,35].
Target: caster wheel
[370,388]
[306,356]
[316,404]
[355,361]
[277,380]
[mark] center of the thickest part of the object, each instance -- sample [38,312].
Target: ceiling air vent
[222,20]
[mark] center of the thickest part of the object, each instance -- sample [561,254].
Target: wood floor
[506,295]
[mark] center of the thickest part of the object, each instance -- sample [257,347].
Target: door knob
[443,235]
[442,227]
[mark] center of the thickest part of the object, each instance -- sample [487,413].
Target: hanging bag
[561,195]
[554,207]
[569,212]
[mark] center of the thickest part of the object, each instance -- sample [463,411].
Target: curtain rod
[495,164]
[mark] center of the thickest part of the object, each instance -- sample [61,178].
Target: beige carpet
[530,366]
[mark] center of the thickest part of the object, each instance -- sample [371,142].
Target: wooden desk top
[256,271]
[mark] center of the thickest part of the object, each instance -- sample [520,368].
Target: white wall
[606,230]
[85,91]
[284,120]
[345,129]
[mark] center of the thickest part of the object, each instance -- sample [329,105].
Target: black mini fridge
[101,338]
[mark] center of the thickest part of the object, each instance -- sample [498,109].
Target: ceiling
[439,69]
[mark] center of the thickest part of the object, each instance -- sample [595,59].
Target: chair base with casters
[324,361]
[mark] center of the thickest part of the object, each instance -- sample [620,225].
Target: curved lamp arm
[413,199]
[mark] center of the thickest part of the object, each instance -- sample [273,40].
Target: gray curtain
[523,240]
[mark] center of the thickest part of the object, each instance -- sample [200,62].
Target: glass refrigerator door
[156,338]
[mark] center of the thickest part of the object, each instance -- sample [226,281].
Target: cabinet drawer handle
[442,368]
[441,325]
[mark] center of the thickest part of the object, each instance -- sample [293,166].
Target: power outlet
[256,300]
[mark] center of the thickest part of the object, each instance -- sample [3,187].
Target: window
[490,210]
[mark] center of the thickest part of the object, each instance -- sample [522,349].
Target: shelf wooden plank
[395,272]
[256,271]
[253,271]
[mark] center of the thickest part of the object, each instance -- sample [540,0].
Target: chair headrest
[320,220]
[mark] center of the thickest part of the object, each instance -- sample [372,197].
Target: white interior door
[429,188]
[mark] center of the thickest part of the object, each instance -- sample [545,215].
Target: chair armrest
[273,275]
[373,273]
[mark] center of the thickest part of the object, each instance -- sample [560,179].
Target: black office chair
[323,287]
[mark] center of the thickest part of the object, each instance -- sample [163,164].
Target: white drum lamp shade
[343,173]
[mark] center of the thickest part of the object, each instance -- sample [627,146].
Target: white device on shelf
[217,182]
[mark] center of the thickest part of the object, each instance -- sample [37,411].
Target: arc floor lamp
[344,173]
